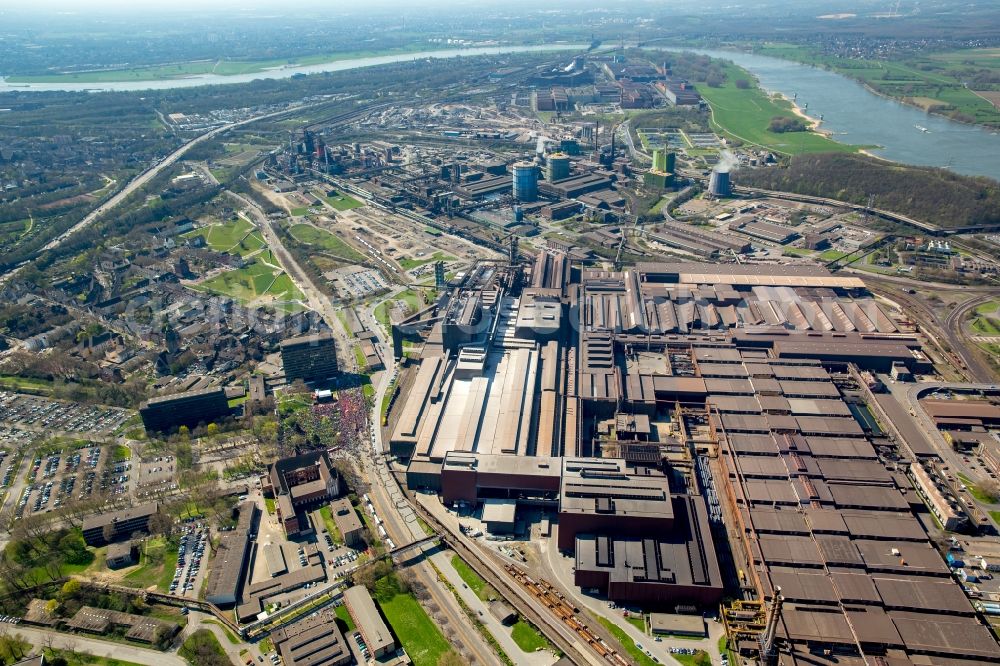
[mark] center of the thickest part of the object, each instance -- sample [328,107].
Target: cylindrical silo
[557,167]
[525,181]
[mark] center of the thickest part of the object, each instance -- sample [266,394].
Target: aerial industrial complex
[695,431]
[533,375]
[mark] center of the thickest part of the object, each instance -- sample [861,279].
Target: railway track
[539,602]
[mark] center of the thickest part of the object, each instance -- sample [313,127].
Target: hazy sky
[137,6]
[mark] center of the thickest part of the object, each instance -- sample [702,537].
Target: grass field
[28,384]
[528,638]
[409,263]
[421,638]
[412,299]
[341,201]
[253,282]
[201,67]
[986,319]
[475,582]
[82,659]
[236,237]
[328,521]
[637,655]
[310,235]
[344,615]
[745,114]
[974,490]
[157,563]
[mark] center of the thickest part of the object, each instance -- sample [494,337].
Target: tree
[161,523]
[989,488]
[742,84]
[69,589]
[212,430]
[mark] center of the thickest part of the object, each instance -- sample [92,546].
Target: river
[850,112]
[280,72]
[855,115]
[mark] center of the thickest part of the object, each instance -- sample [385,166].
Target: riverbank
[199,68]
[270,70]
[926,83]
[745,114]
[853,114]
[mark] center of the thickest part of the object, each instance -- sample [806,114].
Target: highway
[144,178]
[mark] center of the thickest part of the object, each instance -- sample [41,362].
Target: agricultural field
[746,113]
[234,237]
[957,84]
[310,235]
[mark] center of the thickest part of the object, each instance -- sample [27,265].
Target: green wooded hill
[922,193]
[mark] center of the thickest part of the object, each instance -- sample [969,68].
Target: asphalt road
[97,647]
[315,299]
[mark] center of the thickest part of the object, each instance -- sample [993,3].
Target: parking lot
[155,476]
[53,415]
[68,474]
[358,281]
[190,552]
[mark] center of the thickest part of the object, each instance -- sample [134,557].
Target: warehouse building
[232,558]
[369,622]
[313,641]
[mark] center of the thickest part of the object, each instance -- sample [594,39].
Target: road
[46,637]
[955,325]
[401,524]
[316,300]
[948,336]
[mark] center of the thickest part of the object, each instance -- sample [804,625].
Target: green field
[745,114]
[341,201]
[237,237]
[83,659]
[252,282]
[637,655]
[310,235]
[412,299]
[986,319]
[409,263]
[328,521]
[941,83]
[421,638]
[528,638]
[157,563]
[482,589]
[344,615]
[201,67]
